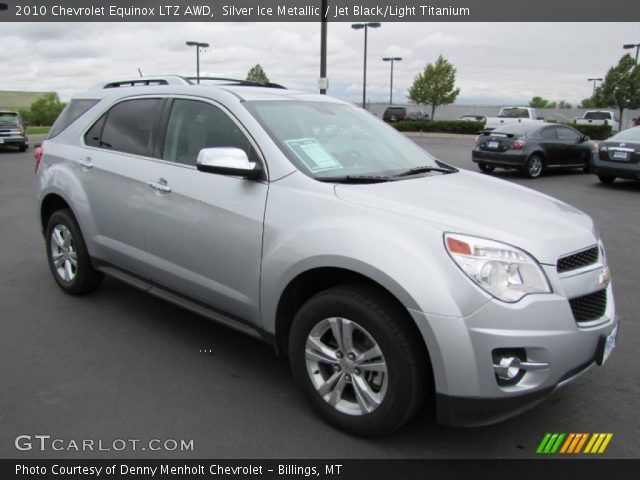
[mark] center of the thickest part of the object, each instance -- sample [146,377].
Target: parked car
[618,156]
[474,118]
[532,148]
[599,117]
[13,130]
[384,274]
[511,115]
[392,114]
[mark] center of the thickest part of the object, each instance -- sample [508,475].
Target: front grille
[589,307]
[578,260]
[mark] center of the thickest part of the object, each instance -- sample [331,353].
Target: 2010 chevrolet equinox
[386,275]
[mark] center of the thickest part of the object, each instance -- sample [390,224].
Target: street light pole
[366,26]
[323,50]
[198,46]
[391,59]
[594,80]
[633,45]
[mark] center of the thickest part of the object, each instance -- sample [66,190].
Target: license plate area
[620,155]
[493,144]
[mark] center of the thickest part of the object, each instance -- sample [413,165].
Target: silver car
[387,276]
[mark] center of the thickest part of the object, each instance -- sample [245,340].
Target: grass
[38,130]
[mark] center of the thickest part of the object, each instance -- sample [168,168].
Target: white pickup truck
[510,115]
[599,117]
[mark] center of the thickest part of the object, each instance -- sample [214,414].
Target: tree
[564,104]
[256,74]
[621,87]
[539,102]
[44,110]
[435,85]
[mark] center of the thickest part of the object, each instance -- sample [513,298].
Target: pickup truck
[510,115]
[599,117]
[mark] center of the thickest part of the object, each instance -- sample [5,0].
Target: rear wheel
[533,167]
[606,178]
[68,257]
[486,168]
[357,359]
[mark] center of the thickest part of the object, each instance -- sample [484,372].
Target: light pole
[633,45]
[198,46]
[594,80]
[366,26]
[392,60]
[323,50]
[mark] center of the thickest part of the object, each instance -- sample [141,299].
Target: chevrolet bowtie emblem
[605,277]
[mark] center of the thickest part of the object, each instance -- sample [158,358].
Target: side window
[129,126]
[195,125]
[549,133]
[70,113]
[567,134]
[92,137]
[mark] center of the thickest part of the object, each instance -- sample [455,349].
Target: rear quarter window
[74,110]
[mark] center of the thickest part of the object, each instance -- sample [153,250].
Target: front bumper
[461,350]
[14,140]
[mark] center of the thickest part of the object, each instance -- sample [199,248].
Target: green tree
[564,104]
[256,74]
[436,85]
[621,87]
[44,110]
[539,102]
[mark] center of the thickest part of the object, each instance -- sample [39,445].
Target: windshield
[8,118]
[335,140]
[631,135]
[515,129]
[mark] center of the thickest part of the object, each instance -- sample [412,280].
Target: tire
[363,396]
[68,257]
[606,178]
[486,168]
[533,166]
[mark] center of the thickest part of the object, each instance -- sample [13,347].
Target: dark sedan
[532,148]
[618,156]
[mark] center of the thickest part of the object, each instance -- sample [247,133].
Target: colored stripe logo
[574,443]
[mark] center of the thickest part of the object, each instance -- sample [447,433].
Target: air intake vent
[589,307]
[578,260]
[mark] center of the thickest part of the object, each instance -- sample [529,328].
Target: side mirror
[227,161]
[585,138]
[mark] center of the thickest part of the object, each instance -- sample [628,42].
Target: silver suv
[387,276]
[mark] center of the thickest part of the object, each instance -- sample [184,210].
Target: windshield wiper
[355,179]
[424,169]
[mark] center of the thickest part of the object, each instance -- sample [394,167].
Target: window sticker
[313,154]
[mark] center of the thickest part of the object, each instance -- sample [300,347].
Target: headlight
[501,270]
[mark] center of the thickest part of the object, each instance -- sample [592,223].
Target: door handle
[160,186]
[86,162]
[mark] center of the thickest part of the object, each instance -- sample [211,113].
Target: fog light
[508,369]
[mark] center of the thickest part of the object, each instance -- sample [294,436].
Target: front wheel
[358,360]
[533,166]
[68,257]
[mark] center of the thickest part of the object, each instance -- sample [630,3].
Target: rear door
[113,171]
[203,231]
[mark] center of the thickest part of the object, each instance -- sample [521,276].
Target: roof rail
[235,81]
[143,82]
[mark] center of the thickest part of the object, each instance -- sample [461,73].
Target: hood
[474,204]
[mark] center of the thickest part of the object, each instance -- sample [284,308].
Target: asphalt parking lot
[120,364]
